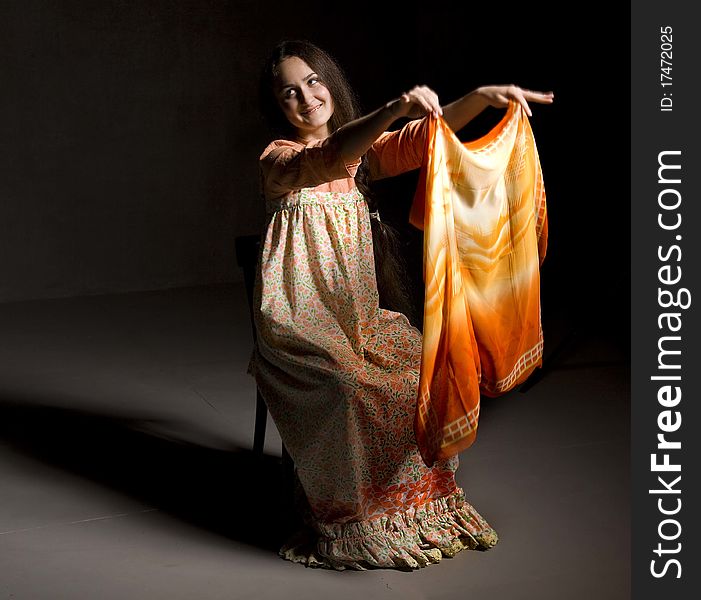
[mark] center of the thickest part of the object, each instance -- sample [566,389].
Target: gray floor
[125,428]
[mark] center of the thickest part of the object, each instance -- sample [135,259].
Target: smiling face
[304,100]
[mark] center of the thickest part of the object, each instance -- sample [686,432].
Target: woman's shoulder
[287,146]
[281,143]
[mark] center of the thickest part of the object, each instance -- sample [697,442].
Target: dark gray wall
[130,135]
[130,132]
[127,145]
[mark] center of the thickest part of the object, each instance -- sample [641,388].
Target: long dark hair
[390,271]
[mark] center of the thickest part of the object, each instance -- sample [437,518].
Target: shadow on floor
[233,493]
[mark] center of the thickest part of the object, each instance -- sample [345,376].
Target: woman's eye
[313,81]
[289,93]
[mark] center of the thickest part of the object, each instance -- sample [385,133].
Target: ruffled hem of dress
[411,539]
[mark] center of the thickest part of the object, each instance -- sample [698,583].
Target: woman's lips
[311,110]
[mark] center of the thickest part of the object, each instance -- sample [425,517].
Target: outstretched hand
[500,95]
[417,102]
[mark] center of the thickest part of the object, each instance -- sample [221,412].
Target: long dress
[340,375]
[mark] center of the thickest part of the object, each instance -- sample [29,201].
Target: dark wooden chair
[247,250]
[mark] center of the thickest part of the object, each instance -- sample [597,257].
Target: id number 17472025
[666,68]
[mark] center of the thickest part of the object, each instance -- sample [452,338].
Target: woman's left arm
[459,113]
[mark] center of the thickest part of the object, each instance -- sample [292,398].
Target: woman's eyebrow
[284,86]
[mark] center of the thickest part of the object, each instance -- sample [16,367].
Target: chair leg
[261,420]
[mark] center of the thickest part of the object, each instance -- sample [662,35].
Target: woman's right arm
[288,165]
[355,138]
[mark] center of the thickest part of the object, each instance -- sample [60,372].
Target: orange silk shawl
[482,208]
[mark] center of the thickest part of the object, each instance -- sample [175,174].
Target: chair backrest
[247,248]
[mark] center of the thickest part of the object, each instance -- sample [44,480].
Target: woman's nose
[307,96]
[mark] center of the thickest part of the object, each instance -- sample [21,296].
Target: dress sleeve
[287,166]
[396,152]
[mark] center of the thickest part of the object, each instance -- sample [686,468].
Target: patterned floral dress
[340,375]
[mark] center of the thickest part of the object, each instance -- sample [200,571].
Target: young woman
[340,374]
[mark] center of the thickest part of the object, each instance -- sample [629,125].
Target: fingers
[524,96]
[513,92]
[520,97]
[539,97]
[424,98]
